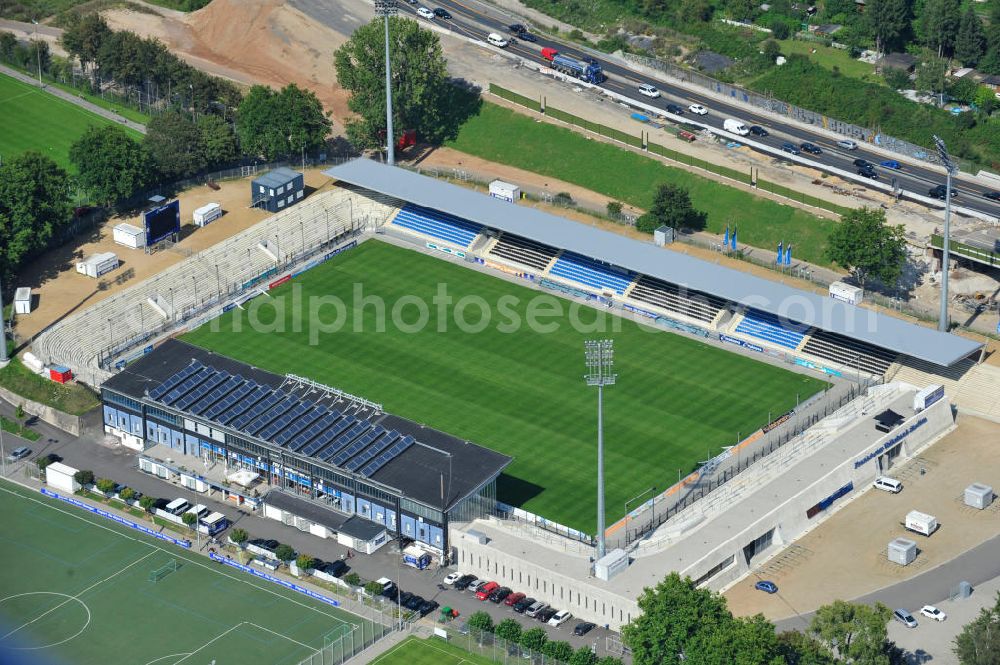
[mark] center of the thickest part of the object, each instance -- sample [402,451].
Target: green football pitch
[431,651]
[517,389]
[78,588]
[32,119]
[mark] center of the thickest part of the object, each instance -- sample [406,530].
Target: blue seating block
[438,225]
[768,327]
[590,273]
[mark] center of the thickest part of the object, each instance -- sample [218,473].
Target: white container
[847,293]
[504,190]
[921,523]
[927,396]
[207,214]
[978,496]
[611,564]
[22,300]
[902,551]
[60,476]
[130,236]
[735,127]
[98,264]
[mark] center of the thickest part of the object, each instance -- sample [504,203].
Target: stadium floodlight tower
[3,333]
[946,240]
[600,362]
[385,9]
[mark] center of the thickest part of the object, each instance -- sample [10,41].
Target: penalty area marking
[47,593]
[224,633]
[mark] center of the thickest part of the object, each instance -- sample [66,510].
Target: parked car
[516,28]
[675,109]
[414,603]
[546,615]
[847,144]
[527,37]
[403,598]
[18,453]
[463,582]
[500,595]
[790,148]
[427,607]
[263,546]
[584,628]
[522,605]
[560,617]
[863,164]
[905,618]
[477,585]
[426,13]
[649,91]
[811,148]
[766,586]
[932,612]
[757,130]
[940,191]
[992,196]
[513,598]
[484,591]
[338,568]
[537,607]
[698,109]
[442,13]
[868,173]
[451,578]
[891,164]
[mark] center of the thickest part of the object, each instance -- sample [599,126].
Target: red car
[513,598]
[485,591]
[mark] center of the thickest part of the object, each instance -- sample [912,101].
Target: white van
[735,127]
[177,506]
[496,40]
[889,484]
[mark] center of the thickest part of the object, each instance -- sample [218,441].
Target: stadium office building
[324,450]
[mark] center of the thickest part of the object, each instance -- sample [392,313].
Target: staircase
[922,374]
[979,392]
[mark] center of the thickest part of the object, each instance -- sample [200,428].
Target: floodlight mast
[943,322]
[600,363]
[385,9]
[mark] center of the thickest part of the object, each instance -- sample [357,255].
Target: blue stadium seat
[769,328]
[590,273]
[438,225]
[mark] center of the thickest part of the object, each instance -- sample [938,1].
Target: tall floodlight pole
[385,9]
[3,331]
[946,241]
[600,361]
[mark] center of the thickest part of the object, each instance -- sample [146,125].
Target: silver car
[847,144]
[19,453]
[904,617]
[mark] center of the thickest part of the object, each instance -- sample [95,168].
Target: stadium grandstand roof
[796,305]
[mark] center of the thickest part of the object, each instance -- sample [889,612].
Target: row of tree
[536,641]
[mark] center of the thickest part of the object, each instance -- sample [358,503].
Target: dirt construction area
[845,557]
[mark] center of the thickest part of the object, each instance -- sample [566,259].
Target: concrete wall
[54,417]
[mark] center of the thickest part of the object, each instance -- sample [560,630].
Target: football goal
[164,570]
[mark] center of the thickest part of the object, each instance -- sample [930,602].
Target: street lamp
[3,331]
[38,54]
[945,249]
[600,361]
[385,9]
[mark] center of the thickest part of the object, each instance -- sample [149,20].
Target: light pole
[3,331]
[945,242]
[385,9]
[38,54]
[600,361]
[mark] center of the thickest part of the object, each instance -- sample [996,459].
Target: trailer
[415,557]
[130,236]
[921,523]
[22,300]
[849,294]
[98,264]
[504,190]
[589,71]
[206,214]
[213,524]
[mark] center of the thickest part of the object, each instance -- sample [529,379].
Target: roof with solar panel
[313,420]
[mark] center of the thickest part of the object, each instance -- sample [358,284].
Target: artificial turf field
[75,588]
[431,651]
[520,392]
[36,120]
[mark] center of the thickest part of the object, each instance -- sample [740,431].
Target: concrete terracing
[769,503]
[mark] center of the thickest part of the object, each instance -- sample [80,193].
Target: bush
[105,485]
[146,503]
[189,519]
[126,494]
[481,621]
[559,651]
[239,536]
[509,630]
[780,30]
[534,639]
[305,561]
[353,579]
[284,553]
[563,199]
[373,588]
[614,209]
[43,461]
[896,79]
[84,477]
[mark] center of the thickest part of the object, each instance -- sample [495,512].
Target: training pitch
[519,391]
[431,651]
[78,588]
[36,120]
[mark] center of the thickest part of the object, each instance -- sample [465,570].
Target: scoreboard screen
[162,221]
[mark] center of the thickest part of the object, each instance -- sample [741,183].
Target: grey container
[978,495]
[902,551]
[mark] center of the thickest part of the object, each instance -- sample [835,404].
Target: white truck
[735,127]
[921,523]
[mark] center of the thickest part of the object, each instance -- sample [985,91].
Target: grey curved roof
[796,305]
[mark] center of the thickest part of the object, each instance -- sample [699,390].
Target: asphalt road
[470,20]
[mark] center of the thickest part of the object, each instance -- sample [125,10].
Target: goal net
[164,570]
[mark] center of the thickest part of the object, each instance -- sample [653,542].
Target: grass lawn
[96,100]
[73,398]
[501,135]
[89,598]
[430,651]
[35,120]
[829,57]
[13,427]
[517,390]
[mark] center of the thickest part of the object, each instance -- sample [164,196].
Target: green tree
[748,641]
[421,91]
[352,578]
[802,649]
[979,641]
[147,502]
[173,141]
[509,630]
[305,562]
[84,477]
[43,461]
[277,123]
[609,660]
[939,21]
[284,553]
[83,38]
[239,536]
[671,207]
[105,485]
[19,412]
[673,612]
[559,651]
[126,494]
[614,209]
[932,75]
[963,89]
[864,244]
[771,51]
[970,42]
[371,588]
[189,519]
[855,632]
[8,43]
[885,21]
[741,10]
[583,656]
[534,639]
[218,142]
[112,165]
[985,100]
[780,30]
[34,206]
[38,56]
[481,621]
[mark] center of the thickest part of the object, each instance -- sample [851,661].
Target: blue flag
[788,255]
[780,253]
[725,237]
[732,240]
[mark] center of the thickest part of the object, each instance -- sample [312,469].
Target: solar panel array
[286,420]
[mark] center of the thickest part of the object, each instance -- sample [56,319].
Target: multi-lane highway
[470,20]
